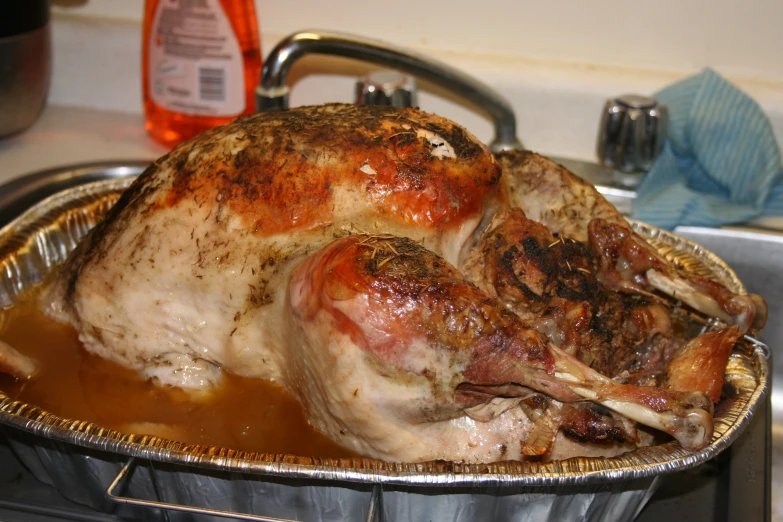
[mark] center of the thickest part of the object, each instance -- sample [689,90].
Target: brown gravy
[245,414]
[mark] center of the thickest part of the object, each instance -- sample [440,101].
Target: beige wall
[740,39]
[556,62]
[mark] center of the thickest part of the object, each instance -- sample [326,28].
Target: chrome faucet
[273,93]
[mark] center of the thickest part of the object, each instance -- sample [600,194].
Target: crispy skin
[291,160]
[187,272]
[701,363]
[553,196]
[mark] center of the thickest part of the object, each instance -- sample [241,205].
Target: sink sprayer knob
[631,135]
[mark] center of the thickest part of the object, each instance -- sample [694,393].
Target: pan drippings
[245,414]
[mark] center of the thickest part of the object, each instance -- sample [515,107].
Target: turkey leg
[422,323]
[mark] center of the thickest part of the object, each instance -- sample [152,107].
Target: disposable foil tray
[81,459]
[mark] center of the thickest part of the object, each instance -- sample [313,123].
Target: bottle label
[195,62]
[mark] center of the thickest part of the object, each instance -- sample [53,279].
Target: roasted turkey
[393,275]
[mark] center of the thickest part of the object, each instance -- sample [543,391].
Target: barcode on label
[212,84]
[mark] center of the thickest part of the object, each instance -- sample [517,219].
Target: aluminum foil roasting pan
[310,488]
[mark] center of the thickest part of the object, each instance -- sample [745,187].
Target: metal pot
[25,63]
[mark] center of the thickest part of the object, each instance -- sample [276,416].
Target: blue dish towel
[720,164]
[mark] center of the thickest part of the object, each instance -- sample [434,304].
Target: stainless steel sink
[757,258]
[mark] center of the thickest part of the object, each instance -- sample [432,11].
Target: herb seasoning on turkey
[419,297]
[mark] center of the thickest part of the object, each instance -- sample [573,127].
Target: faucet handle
[391,88]
[631,135]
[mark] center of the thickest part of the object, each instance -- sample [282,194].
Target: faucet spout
[273,93]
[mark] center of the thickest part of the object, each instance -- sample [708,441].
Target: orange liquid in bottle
[170,126]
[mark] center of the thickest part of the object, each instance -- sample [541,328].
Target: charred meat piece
[629,264]
[549,282]
[544,279]
[566,205]
[583,422]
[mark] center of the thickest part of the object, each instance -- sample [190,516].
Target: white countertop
[66,135]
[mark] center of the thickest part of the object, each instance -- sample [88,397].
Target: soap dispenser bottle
[201,60]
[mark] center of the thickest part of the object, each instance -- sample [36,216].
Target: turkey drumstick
[419,326]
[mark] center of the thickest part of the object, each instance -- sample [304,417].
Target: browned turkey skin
[322,247]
